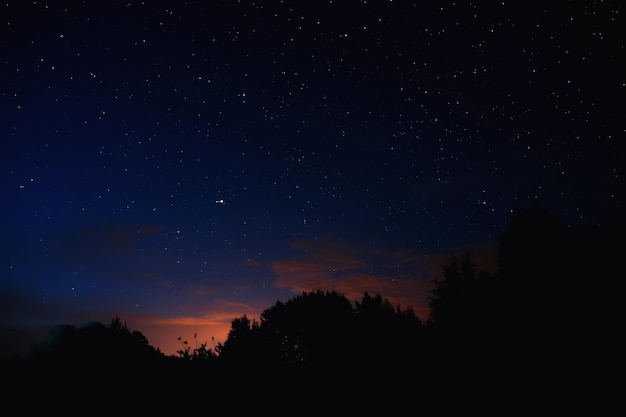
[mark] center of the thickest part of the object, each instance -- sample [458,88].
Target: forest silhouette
[486,334]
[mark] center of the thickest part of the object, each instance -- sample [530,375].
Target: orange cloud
[404,277]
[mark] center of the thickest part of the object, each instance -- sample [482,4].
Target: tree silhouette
[95,344]
[450,302]
[320,331]
[243,347]
[313,328]
[545,266]
[90,359]
[546,304]
[463,324]
[464,299]
[386,334]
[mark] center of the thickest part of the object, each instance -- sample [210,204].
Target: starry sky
[181,164]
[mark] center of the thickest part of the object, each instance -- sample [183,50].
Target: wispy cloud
[105,238]
[404,276]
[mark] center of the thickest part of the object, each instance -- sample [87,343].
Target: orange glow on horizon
[163,333]
[404,277]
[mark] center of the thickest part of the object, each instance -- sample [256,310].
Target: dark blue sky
[180,164]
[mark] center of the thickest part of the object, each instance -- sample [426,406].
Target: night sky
[181,164]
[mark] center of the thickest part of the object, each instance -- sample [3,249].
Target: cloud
[107,239]
[402,276]
[105,248]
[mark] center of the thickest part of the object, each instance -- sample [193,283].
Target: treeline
[527,319]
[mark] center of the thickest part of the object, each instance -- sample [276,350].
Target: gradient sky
[181,164]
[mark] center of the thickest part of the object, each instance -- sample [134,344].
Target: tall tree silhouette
[465,326]
[451,297]
[551,271]
[545,264]
[464,299]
